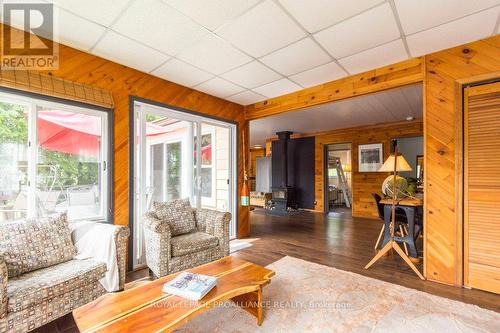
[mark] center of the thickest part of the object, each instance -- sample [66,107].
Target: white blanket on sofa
[97,241]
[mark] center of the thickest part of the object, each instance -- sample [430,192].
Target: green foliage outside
[70,171]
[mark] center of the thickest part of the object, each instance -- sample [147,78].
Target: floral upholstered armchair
[178,237]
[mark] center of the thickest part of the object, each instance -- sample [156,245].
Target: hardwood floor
[337,240]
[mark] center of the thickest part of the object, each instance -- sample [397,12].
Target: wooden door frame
[460,86]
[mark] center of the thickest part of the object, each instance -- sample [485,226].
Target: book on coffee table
[191,286]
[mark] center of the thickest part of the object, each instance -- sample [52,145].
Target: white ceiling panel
[77,32]
[103,12]
[277,88]
[321,74]
[179,72]
[315,15]
[212,14]
[379,56]
[356,111]
[128,52]
[219,87]
[262,30]
[298,57]
[367,30]
[159,26]
[251,75]
[246,98]
[424,14]
[457,32]
[214,55]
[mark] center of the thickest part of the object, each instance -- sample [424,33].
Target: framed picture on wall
[371,157]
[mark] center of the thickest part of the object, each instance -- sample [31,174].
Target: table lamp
[397,182]
[394,163]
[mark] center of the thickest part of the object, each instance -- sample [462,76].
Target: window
[53,158]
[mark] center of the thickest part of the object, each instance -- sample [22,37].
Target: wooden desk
[148,309]
[410,207]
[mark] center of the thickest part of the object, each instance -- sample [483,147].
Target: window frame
[34,102]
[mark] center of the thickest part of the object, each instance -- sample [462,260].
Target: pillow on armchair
[178,214]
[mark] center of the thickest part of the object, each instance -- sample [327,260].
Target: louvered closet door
[482,187]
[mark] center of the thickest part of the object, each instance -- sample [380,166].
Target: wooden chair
[401,221]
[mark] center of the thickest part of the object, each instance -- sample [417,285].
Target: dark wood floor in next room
[337,240]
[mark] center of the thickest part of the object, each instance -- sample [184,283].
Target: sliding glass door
[180,155]
[53,158]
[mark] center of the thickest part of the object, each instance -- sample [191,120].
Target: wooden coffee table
[147,308]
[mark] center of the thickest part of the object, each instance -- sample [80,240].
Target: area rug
[307,297]
[238,244]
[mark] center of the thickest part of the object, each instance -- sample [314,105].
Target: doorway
[338,174]
[177,155]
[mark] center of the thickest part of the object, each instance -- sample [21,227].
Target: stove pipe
[284,137]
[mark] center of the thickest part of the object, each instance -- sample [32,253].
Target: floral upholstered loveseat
[178,237]
[39,278]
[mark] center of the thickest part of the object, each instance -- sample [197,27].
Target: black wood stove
[284,196]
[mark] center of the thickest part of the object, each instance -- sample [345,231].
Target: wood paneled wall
[122,81]
[363,183]
[444,74]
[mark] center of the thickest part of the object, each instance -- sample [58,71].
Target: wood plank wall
[123,81]
[445,71]
[363,183]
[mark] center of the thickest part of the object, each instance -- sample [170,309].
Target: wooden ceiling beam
[388,77]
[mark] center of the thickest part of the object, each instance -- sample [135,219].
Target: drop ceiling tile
[424,14]
[455,33]
[127,52]
[77,32]
[263,29]
[383,55]
[364,31]
[321,74]
[219,87]
[159,26]
[179,72]
[100,11]
[277,88]
[251,75]
[214,55]
[212,14]
[246,98]
[298,57]
[315,15]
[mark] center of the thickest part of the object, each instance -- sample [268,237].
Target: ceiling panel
[277,88]
[214,55]
[179,72]
[321,74]
[251,75]
[128,52]
[386,54]
[262,30]
[357,111]
[212,14]
[424,14]
[78,32]
[457,32]
[364,31]
[103,12]
[219,87]
[159,26]
[246,98]
[298,57]
[314,15]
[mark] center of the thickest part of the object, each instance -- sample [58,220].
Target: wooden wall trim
[388,77]
[445,73]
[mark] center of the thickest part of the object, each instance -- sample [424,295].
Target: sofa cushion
[178,214]
[27,245]
[191,243]
[35,287]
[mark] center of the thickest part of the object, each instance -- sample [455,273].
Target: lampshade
[402,164]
